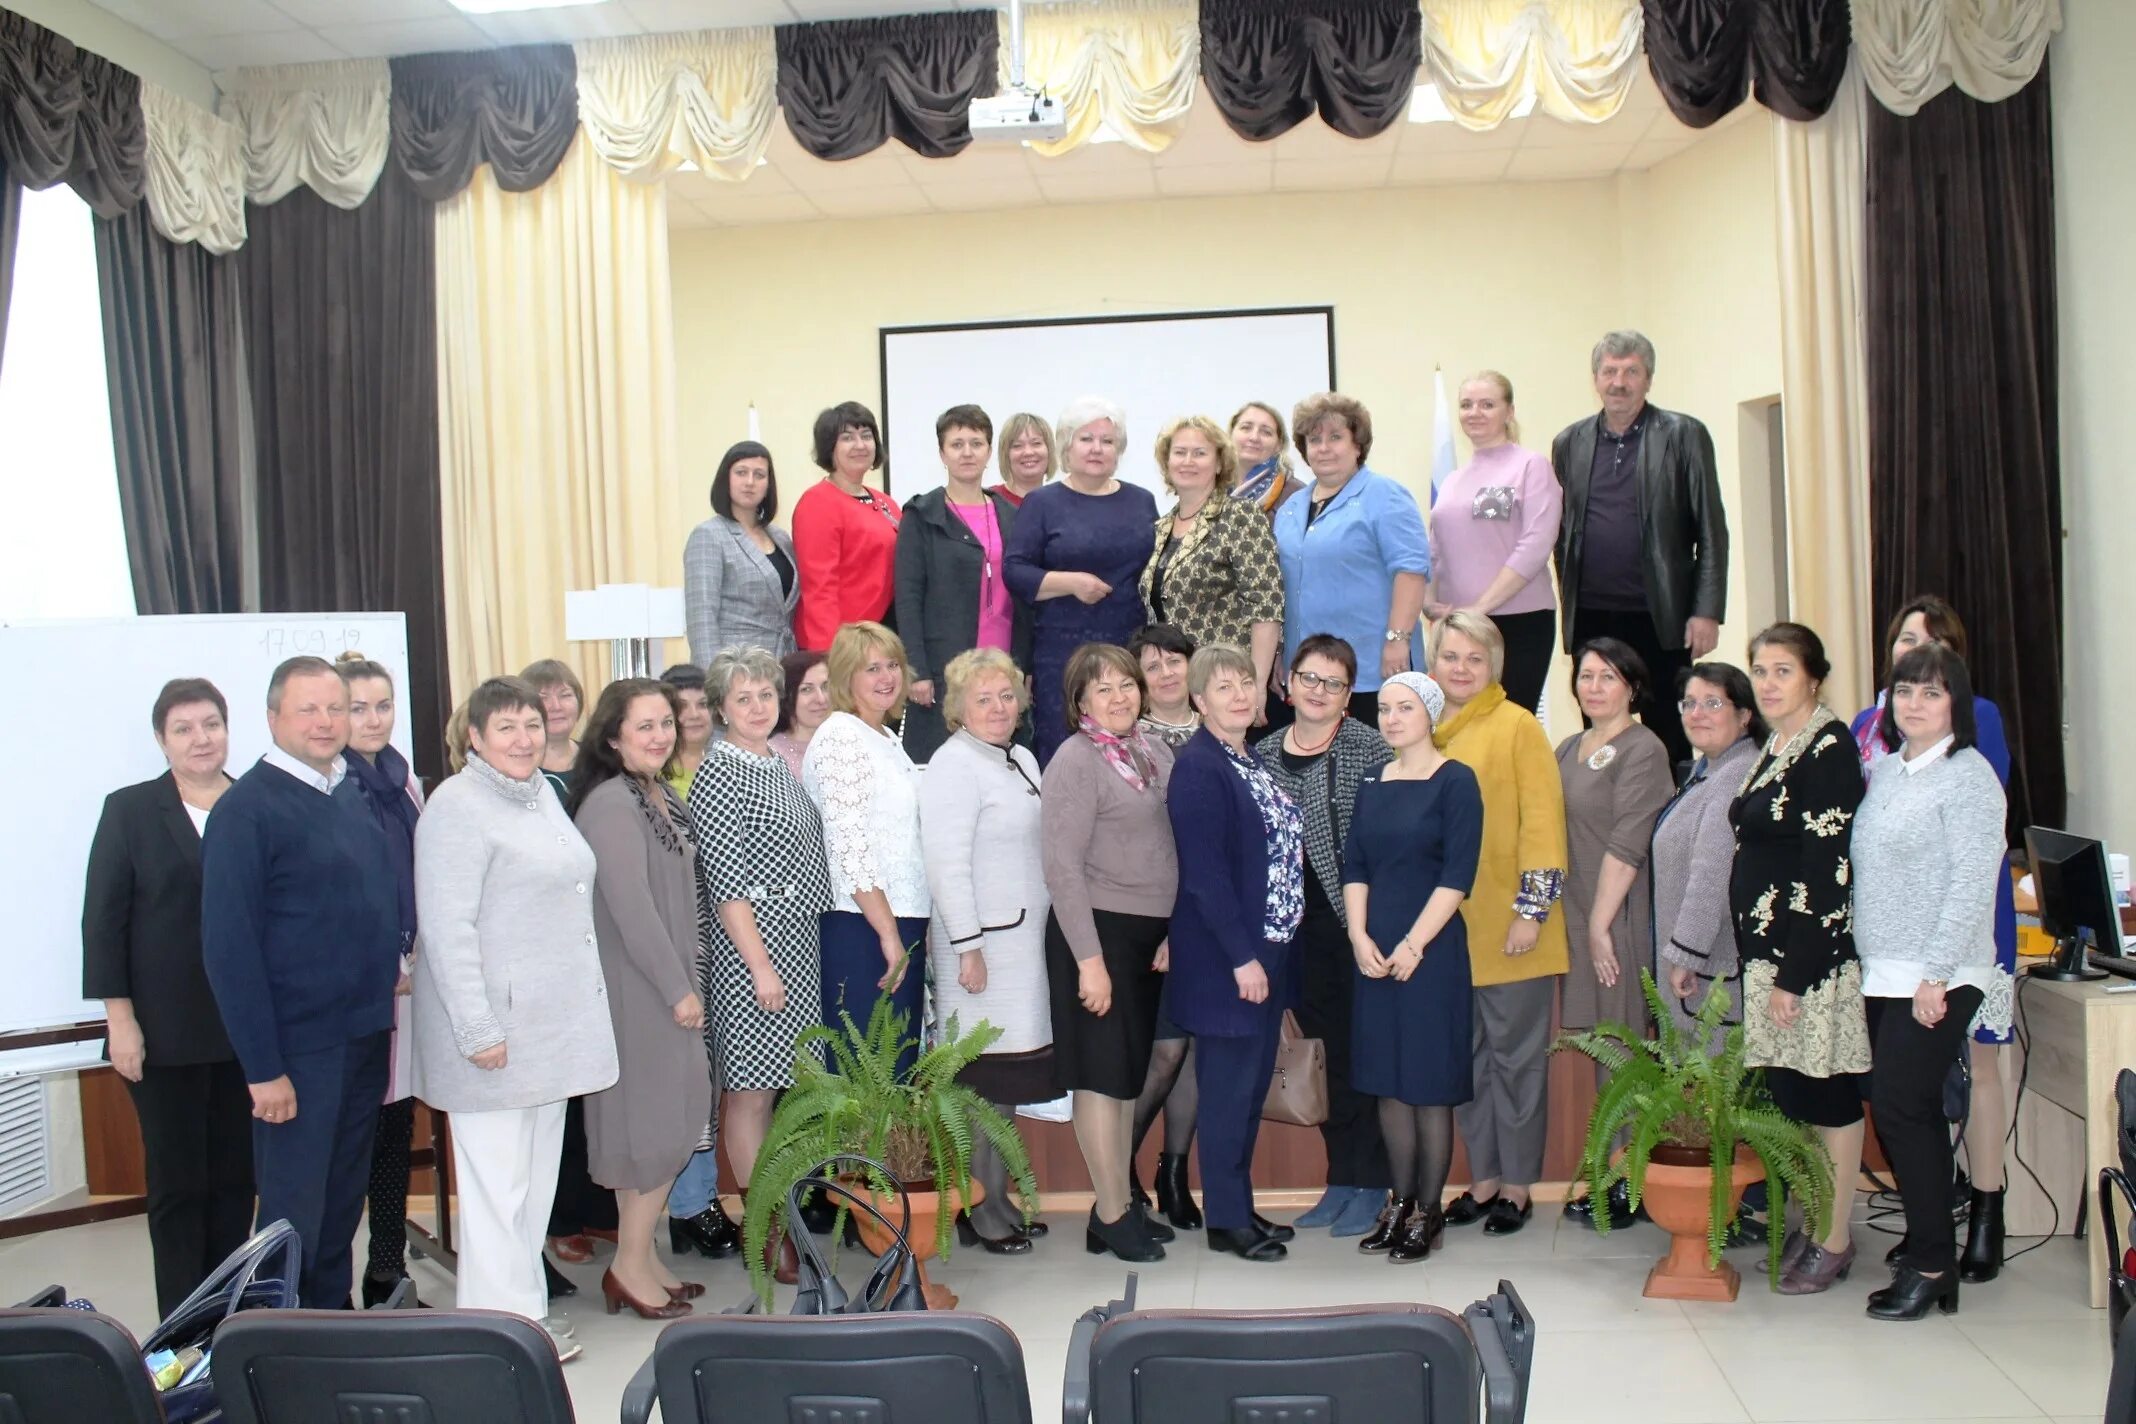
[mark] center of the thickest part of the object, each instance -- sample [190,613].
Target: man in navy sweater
[300,930]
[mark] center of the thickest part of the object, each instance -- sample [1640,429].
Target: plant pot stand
[1678,1196]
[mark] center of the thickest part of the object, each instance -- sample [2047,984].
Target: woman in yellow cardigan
[1516,932]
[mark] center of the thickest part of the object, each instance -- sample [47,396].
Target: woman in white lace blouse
[857,772]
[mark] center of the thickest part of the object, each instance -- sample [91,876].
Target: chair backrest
[944,1367]
[2121,1384]
[70,1366]
[412,1367]
[1415,1363]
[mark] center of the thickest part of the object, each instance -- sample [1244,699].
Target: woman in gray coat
[740,584]
[646,915]
[510,1012]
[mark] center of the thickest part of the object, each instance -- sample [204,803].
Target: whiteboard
[75,727]
[1155,368]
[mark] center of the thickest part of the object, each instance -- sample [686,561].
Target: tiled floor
[2023,1348]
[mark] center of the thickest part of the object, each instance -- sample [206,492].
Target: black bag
[893,1285]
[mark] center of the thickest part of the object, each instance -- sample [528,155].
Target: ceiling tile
[246,51]
[1096,187]
[703,187]
[876,169]
[1416,169]
[1649,152]
[1453,138]
[321,14]
[1314,139]
[1092,158]
[1545,132]
[1320,174]
[682,213]
[1587,161]
[1251,176]
[870,202]
[661,17]
[1205,138]
[404,37]
[777,208]
[573,22]
[968,197]
[193,19]
[981,160]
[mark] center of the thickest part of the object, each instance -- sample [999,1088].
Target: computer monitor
[2075,892]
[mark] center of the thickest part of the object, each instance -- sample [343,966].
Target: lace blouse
[869,793]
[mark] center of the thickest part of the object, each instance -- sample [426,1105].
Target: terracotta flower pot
[1679,1197]
[927,1208]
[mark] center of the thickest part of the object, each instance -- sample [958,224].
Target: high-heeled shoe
[1419,1234]
[1392,1218]
[616,1298]
[1126,1238]
[711,1233]
[1896,1253]
[1910,1294]
[1982,1258]
[1248,1243]
[1013,1244]
[688,1290]
[1173,1198]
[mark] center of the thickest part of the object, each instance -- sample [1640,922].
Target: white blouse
[869,793]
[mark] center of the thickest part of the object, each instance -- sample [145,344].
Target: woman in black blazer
[141,956]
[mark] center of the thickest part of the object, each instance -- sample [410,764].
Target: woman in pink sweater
[1493,524]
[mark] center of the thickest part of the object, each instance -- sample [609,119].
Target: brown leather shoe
[688,1290]
[616,1297]
[572,1250]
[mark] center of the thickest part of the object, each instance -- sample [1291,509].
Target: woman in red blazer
[845,533]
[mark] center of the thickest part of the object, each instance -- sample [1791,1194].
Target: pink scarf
[1128,755]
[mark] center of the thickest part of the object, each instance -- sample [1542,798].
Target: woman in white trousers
[511,1012]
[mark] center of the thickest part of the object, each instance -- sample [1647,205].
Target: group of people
[1182,771]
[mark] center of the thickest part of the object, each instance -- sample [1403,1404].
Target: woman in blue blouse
[1928,619]
[1076,556]
[1241,896]
[1356,559]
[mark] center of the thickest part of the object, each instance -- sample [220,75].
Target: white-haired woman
[1077,553]
[979,815]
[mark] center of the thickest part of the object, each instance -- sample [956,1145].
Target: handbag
[1298,1089]
[893,1285]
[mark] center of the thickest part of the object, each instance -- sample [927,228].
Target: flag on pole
[754,433]
[1442,446]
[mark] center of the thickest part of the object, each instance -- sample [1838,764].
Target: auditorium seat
[69,1366]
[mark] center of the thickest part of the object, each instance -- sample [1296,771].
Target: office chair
[1405,1362]
[943,1367]
[2117,1188]
[411,1367]
[69,1366]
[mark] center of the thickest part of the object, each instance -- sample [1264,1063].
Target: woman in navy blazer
[1241,896]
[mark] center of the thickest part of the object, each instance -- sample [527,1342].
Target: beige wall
[2095,211]
[1520,277]
[101,32]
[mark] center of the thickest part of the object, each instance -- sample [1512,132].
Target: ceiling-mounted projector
[1018,114]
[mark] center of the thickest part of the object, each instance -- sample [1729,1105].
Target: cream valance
[1578,57]
[1912,50]
[1133,66]
[326,126]
[652,103]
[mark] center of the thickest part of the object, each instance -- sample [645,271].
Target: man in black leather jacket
[1642,549]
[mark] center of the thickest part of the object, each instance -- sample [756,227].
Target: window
[62,541]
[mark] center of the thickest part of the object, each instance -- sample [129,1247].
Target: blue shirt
[1338,574]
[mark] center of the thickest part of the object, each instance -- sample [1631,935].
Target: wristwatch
[1396,635]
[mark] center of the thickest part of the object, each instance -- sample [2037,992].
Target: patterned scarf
[1260,482]
[1128,755]
[1283,829]
[1869,741]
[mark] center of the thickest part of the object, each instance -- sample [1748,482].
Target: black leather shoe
[1910,1294]
[1419,1234]
[1465,1210]
[1580,1208]
[1747,1229]
[1135,1194]
[1275,1230]
[1896,1253]
[1249,1243]
[1388,1229]
[1125,1238]
[1982,1258]
[1151,1226]
[1504,1218]
[710,1233]
[559,1283]
[1013,1244]
[1173,1198]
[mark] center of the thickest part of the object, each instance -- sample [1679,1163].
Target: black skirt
[1013,1079]
[1109,1055]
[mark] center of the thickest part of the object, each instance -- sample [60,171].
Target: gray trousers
[1507,1123]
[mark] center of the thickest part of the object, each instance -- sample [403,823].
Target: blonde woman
[1263,444]
[1027,456]
[1213,572]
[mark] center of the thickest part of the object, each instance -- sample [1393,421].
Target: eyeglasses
[1317,683]
[1710,704]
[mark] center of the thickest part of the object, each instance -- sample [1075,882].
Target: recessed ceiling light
[1427,107]
[504,7]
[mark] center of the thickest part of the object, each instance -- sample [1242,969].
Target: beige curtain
[1131,65]
[556,376]
[1912,50]
[323,125]
[1821,175]
[196,171]
[1579,57]
[653,102]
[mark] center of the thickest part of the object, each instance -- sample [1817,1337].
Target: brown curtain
[514,109]
[1964,450]
[342,348]
[173,358]
[1270,63]
[849,86]
[1706,55]
[69,116]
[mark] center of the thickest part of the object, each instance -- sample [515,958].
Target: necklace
[1303,750]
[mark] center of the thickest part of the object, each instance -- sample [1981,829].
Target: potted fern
[1699,1129]
[922,1124]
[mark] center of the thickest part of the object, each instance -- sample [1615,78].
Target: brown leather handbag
[1298,1090]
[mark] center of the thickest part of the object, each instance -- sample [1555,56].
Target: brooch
[1602,757]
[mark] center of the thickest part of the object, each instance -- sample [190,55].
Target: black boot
[1173,1198]
[1388,1229]
[711,1233]
[1419,1234]
[1910,1294]
[1982,1258]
